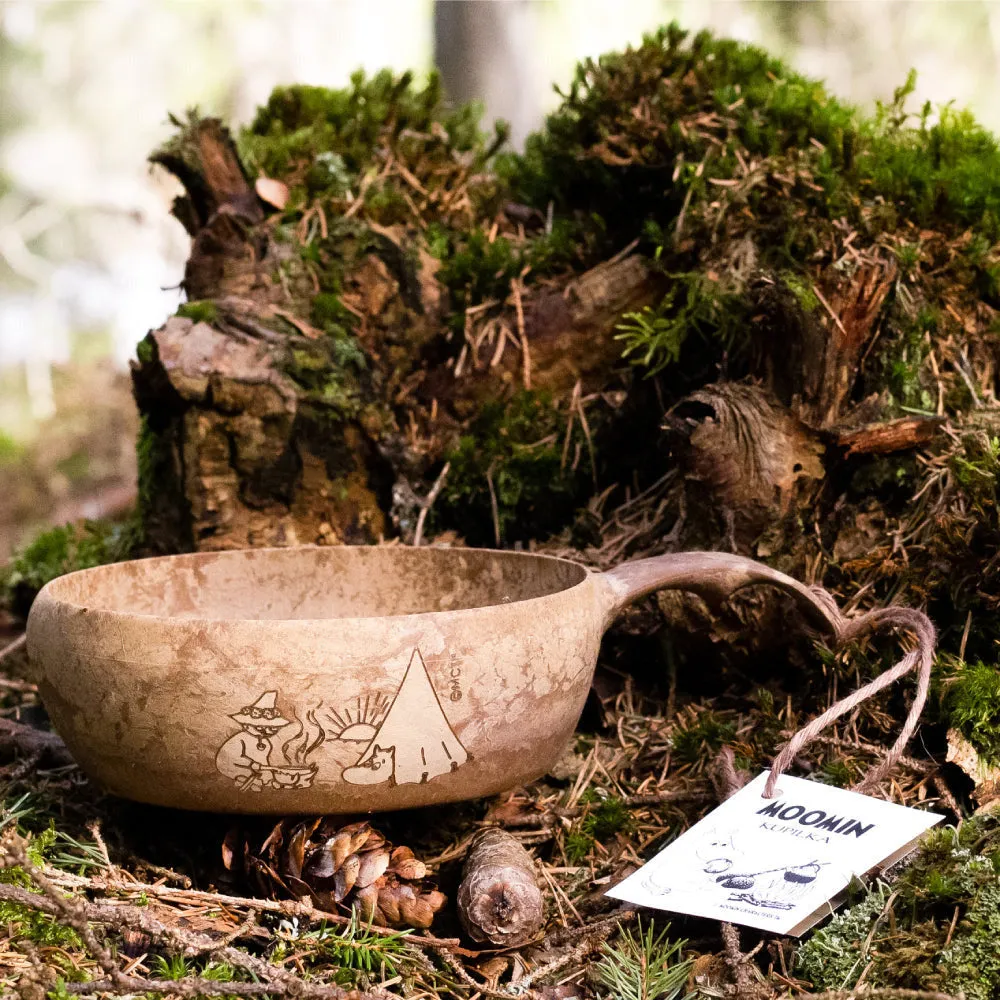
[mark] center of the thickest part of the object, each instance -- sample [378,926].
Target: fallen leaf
[986,777]
[272,192]
[562,991]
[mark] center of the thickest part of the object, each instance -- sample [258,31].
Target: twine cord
[728,780]
[920,658]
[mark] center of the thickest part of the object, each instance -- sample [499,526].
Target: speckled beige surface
[333,680]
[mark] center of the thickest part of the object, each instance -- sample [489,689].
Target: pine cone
[353,866]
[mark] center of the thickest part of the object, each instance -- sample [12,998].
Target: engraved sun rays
[358,723]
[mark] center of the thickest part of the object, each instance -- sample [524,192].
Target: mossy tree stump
[276,412]
[376,292]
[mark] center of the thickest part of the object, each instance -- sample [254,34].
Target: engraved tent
[415,741]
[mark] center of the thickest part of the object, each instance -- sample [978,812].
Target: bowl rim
[48,595]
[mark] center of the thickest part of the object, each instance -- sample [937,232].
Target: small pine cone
[351,866]
[499,900]
[397,904]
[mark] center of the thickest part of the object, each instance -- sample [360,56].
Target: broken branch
[895,435]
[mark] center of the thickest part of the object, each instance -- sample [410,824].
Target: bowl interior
[312,583]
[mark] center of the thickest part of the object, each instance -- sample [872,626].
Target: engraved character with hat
[246,757]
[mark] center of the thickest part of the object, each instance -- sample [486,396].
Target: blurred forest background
[90,258]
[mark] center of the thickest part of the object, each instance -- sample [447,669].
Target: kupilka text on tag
[779,864]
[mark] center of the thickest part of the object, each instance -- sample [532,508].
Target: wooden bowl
[337,679]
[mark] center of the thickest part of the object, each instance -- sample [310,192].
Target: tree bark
[257,432]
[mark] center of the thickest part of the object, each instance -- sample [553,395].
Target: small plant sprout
[359,953]
[175,967]
[643,966]
[654,341]
[11,813]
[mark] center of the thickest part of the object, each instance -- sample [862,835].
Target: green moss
[607,818]
[947,170]
[145,350]
[908,257]
[329,173]
[977,465]
[39,928]
[176,967]
[595,152]
[835,772]
[478,269]
[577,846]
[897,934]
[703,737]
[16,875]
[963,856]
[328,372]
[517,447]
[199,311]
[971,704]
[834,957]
[386,205]
[898,363]
[953,568]
[802,289]
[331,134]
[970,965]
[41,844]
[329,314]
[630,179]
[437,240]
[63,550]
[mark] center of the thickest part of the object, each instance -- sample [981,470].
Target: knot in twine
[848,630]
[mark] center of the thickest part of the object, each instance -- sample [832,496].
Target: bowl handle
[714,576]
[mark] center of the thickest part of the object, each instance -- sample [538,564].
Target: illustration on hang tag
[778,864]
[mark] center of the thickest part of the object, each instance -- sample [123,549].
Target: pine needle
[643,967]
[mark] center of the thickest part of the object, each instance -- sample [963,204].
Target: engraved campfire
[298,749]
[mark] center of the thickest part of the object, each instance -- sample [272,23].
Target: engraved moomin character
[414,741]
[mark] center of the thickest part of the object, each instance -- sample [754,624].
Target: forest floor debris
[165,915]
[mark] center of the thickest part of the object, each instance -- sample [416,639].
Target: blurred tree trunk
[491,52]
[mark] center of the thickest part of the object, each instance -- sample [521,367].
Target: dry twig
[79,915]
[13,647]
[428,502]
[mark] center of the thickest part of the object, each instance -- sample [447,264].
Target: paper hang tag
[779,864]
